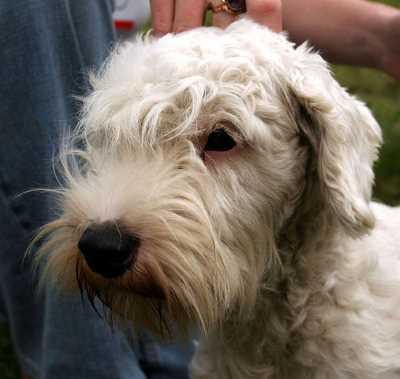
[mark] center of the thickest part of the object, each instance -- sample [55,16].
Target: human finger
[189,14]
[162,12]
[226,11]
[266,12]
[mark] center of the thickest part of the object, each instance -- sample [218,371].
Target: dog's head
[198,151]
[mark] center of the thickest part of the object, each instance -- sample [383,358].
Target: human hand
[391,57]
[179,15]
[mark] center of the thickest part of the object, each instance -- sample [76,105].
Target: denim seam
[74,34]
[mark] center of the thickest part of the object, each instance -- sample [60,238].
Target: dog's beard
[152,295]
[180,278]
[143,305]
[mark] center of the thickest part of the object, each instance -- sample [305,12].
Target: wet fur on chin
[274,249]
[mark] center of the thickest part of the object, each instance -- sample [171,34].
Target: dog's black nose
[108,249]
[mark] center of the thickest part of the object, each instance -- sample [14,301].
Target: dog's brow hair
[169,109]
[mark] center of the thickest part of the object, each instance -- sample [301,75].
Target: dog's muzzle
[108,249]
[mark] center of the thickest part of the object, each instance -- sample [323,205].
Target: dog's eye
[219,140]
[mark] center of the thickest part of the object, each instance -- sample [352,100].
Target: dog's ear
[343,137]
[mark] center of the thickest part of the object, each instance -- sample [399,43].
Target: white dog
[224,179]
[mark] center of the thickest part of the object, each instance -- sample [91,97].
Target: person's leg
[164,360]
[47,49]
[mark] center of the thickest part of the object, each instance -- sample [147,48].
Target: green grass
[382,94]
[394,3]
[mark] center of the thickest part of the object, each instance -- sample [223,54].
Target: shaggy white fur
[269,243]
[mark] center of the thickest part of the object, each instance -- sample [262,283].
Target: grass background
[382,94]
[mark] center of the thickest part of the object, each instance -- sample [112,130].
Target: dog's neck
[269,338]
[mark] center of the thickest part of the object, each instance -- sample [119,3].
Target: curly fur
[275,249]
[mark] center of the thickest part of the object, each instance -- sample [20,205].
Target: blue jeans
[46,49]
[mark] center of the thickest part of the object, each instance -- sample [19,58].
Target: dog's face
[198,150]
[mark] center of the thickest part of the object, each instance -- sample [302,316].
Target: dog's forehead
[204,51]
[168,81]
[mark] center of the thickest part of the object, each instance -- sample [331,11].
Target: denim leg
[164,360]
[46,50]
